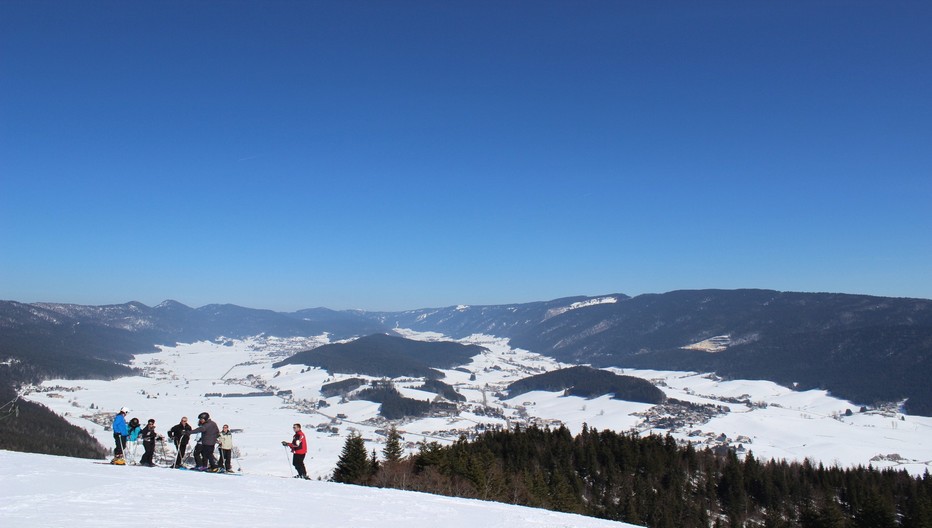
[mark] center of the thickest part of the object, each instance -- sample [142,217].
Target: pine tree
[353,464]
[374,463]
[876,513]
[393,450]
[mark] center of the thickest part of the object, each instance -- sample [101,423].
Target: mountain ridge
[863,348]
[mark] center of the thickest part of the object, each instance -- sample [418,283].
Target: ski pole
[181,454]
[290,465]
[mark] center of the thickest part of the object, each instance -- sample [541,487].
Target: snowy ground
[41,490]
[765,418]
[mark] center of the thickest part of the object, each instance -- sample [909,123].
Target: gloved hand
[284,443]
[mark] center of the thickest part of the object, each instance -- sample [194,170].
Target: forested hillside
[32,428]
[588,382]
[386,355]
[863,348]
[650,481]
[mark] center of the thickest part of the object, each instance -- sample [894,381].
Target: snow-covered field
[765,418]
[41,490]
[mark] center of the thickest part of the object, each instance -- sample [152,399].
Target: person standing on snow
[298,447]
[120,432]
[204,450]
[149,436]
[226,448]
[134,430]
[179,434]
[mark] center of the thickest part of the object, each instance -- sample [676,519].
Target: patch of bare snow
[711,345]
[553,312]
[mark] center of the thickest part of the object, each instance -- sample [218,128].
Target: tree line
[647,480]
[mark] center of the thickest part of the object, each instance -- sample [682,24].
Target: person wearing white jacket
[225,441]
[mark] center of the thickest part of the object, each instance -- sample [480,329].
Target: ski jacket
[209,433]
[134,433]
[119,425]
[149,436]
[226,440]
[179,432]
[298,444]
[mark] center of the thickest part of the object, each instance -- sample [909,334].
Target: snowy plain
[42,490]
[762,417]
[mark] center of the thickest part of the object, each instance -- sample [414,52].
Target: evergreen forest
[32,428]
[647,480]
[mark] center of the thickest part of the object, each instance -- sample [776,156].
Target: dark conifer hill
[588,382]
[652,481]
[386,355]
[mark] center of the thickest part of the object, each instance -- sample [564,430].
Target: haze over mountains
[862,348]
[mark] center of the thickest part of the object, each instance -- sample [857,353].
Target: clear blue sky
[396,155]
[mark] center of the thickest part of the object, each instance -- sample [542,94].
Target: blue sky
[396,155]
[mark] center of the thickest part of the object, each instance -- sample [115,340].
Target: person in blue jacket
[120,433]
[134,430]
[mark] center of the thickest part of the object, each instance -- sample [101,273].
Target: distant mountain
[36,343]
[504,320]
[73,341]
[341,324]
[172,321]
[863,348]
[386,356]
[588,382]
[859,347]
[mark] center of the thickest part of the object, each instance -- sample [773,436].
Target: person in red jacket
[298,447]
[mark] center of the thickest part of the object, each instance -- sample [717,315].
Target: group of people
[211,436]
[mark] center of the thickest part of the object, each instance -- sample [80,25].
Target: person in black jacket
[149,436]
[204,450]
[179,435]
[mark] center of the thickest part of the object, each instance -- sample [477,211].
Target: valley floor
[260,403]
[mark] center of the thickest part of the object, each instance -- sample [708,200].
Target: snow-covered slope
[41,490]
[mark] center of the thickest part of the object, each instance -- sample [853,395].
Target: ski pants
[226,458]
[182,446]
[298,462]
[120,442]
[204,456]
[147,456]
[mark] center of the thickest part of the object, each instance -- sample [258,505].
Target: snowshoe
[118,461]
